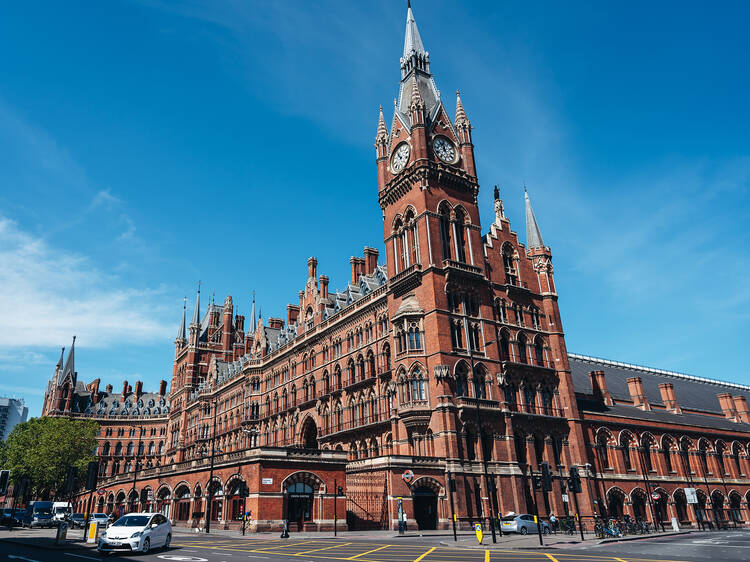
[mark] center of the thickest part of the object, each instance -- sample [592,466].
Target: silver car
[523,524]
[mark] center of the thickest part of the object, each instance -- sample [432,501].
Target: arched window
[736,458]
[130,449]
[502,311]
[602,443]
[509,264]
[547,401]
[625,445]
[445,230]
[460,236]
[539,350]
[667,452]
[529,396]
[703,456]
[720,448]
[504,346]
[462,387]
[415,337]
[646,442]
[522,344]
[479,386]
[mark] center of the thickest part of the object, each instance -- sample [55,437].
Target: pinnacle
[382,129]
[461,118]
[416,97]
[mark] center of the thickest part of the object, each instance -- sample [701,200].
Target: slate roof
[692,393]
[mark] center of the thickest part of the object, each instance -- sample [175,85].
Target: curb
[642,537]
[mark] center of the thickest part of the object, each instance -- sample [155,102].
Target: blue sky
[147,145]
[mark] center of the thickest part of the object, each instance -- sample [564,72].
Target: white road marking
[79,556]
[21,558]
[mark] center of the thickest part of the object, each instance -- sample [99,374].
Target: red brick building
[447,360]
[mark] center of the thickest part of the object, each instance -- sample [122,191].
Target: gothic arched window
[445,230]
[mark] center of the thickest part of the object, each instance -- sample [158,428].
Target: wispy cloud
[50,294]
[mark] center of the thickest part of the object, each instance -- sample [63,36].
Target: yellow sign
[478,531]
[93,532]
[454,517]
[535,520]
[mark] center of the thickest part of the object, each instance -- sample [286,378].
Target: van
[61,510]
[38,514]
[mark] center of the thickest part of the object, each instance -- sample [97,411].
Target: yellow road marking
[487,555]
[620,560]
[324,548]
[551,557]
[424,554]
[368,552]
[291,544]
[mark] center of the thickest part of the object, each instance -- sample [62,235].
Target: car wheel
[524,531]
[546,530]
[169,540]
[146,545]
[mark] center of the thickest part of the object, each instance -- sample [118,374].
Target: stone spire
[181,335]
[412,40]
[417,102]
[461,119]
[253,323]
[533,235]
[70,362]
[197,310]
[382,133]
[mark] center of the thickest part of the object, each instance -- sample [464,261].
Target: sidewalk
[45,538]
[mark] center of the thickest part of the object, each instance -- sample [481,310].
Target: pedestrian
[553,521]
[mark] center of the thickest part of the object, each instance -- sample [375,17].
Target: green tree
[44,448]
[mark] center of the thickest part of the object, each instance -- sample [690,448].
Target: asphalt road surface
[719,546]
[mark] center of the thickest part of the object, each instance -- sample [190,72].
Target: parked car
[101,518]
[7,517]
[77,520]
[523,524]
[136,532]
[38,514]
[61,510]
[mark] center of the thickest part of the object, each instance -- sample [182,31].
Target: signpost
[408,476]
[478,532]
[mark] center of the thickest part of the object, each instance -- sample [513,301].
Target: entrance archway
[615,503]
[299,502]
[638,499]
[424,500]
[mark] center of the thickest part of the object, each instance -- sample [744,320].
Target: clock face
[400,157]
[445,150]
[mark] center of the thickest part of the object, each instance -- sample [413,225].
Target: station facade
[437,379]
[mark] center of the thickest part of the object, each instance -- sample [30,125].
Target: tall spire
[181,332]
[533,235]
[253,324]
[412,40]
[197,309]
[382,133]
[60,362]
[70,362]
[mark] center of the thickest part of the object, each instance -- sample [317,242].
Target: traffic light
[340,491]
[536,481]
[4,477]
[546,478]
[70,480]
[575,480]
[91,475]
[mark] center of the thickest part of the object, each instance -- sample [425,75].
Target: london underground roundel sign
[408,476]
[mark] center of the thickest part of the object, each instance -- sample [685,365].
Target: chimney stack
[94,389]
[727,405]
[324,286]
[108,389]
[312,268]
[138,389]
[371,260]
[292,313]
[275,323]
[599,387]
[358,266]
[239,322]
[637,394]
[740,404]
[162,387]
[124,390]
[668,397]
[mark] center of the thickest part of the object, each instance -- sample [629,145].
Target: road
[733,545]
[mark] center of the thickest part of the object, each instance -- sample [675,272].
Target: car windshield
[78,516]
[131,521]
[42,511]
[510,517]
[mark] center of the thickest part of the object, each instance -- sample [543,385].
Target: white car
[136,532]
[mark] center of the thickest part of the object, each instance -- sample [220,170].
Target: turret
[226,333]
[463,129]
[195,323]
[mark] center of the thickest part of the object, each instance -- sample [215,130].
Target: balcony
[406,280]
[354,425]
[484,403]
[415,414]
[462,270]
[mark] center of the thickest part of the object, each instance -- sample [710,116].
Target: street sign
[656,496]
[408,476]
[690,495]
[565,498]
[101,491]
